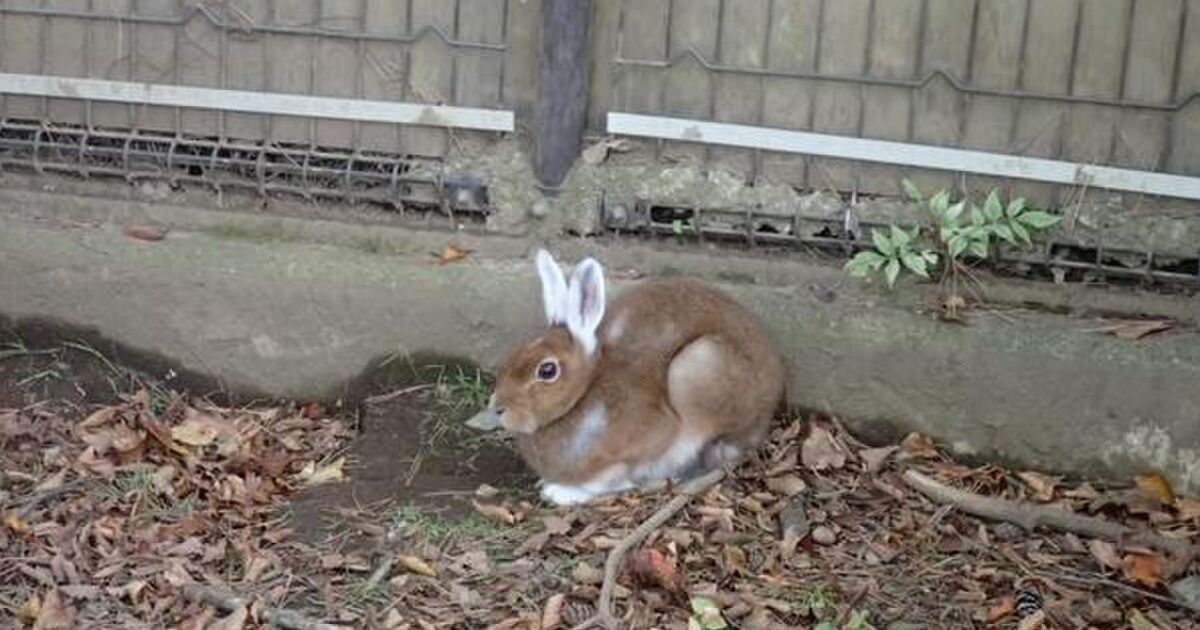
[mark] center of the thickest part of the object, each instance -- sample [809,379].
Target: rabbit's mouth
[489,419]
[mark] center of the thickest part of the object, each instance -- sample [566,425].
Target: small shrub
[952,232]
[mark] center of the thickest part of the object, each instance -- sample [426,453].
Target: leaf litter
[149,514]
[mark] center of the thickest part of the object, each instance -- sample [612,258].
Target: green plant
[952,232]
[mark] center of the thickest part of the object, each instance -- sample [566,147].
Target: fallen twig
[228,602]
[1030,517]
[612,565]
[382,398]
[385,567]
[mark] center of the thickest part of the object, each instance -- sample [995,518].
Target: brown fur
[677,359]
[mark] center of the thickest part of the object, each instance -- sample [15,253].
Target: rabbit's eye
[547,371]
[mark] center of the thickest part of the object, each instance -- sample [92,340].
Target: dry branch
[1030,517]
[612,565]
[228,602]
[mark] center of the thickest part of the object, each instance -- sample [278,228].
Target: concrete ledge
[276,313]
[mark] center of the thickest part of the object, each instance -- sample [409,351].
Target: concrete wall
[299,307]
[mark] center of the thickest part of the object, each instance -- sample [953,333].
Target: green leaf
[900,238]
[864,263]
[707,614]
[979,248]
[939,203]
[911,191]
[955,211]
[958,245]
[916,264]
[1015,207]
[882,242]
[826,625]
[992,209]
[1004,232]
[1020,232]
[1038,219]
[892,271]
[930,256]
[976,216]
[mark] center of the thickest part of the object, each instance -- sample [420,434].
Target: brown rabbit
[673,380]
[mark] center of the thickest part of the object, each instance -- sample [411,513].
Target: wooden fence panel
[643,25]
[431,76]
[787,102]
[336,68]
[1045,69]
[1103,35]
[1150,73]
[23,38]
[838,108]
[109,54]
[938,110]
[895,47]
[247,65]
[694,26]
[292,63]
[69,38]
[996,63]
[1185,154]
[156,60]
[738,96]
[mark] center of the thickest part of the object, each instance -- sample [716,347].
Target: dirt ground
[131,502]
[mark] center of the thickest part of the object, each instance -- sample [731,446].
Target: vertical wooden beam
[561,113]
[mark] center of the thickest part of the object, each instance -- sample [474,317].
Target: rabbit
[671,380]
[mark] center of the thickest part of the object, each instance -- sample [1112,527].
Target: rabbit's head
[542,379]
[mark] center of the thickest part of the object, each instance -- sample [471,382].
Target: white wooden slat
[903,153]
[258,102]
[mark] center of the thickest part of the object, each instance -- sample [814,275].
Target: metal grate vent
[399,183]
[843,237]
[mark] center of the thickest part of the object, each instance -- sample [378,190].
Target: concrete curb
[300,317]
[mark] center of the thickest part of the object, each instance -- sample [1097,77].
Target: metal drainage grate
[401,183]
[750,226]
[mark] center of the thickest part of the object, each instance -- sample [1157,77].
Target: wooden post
[561,112]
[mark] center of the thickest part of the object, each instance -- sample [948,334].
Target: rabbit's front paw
[566,495]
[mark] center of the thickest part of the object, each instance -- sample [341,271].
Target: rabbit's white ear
[554,288]
[586,303]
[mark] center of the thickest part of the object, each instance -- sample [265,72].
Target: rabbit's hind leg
[720,394]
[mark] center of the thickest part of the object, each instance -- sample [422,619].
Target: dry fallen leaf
[1036,621]
[495,512]
[651,568]
[1187,509]
[875,458]
[586,574]
[821,451]
[1143,568]
[1001,609]
[918,446]
[1041,484]
[1137,330]
[1138,621]
[552,611]
[1156,486]
[453,253]
[195,431]
[311,475]
[54,614]
[146,232]
[416,565]
[15,523]
[787,485]
[1106,554]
